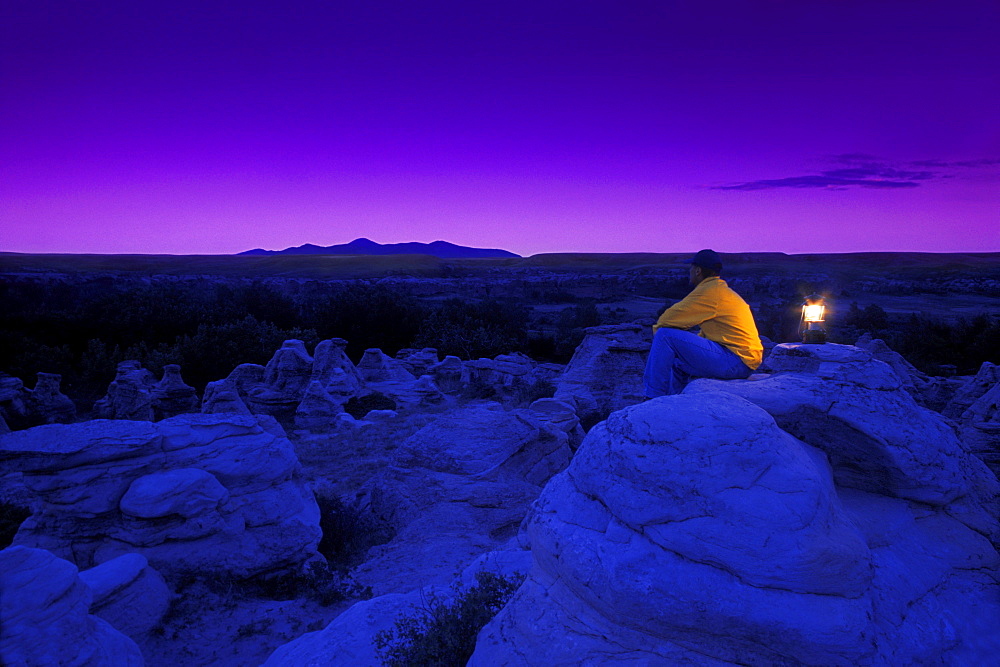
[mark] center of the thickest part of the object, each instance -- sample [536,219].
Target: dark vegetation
[359,406]
[444,632]
[83,326]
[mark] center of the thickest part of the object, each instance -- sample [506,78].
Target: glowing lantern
[813,312]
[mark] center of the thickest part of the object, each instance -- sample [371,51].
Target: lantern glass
[813,312]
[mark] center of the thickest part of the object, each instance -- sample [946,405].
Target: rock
[350,638]
[286,377]
[44,613]
[3,426]
[853,407]
[561,415]
[47,404]
[130,394]
[334,370]
[223,396]
[418,362]
[13,401]
[318,410]
[605,373]
[447,374]
[376,366]
[457,488]
[246,377]
[691,529]
[171,397]
[196,493]
[908,375]
[427,391]
[980,428]
[987,377]
[128,594]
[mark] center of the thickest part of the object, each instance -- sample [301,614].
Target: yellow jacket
[724,317]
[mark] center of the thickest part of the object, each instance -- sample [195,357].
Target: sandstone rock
[980,428]
[691,529]
[171,397]
[286,377]
[318,410]
[3,426]
[223,396]
[455,489]
[193,494]
[418,362]
[334,370]
[44,615]
[561,415]
[128,594]
[987,377]
[47,404]
[605,373]
[427,391]
[130,394]
[376,366]
[13,401]
[908,375]
[448,373]
[853,407]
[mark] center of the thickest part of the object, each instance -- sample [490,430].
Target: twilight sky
[742,125]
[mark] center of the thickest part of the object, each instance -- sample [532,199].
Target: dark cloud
[866,171]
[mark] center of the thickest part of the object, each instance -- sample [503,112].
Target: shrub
[444,633]
[359,406]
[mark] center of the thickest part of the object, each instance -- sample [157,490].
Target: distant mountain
[441,249]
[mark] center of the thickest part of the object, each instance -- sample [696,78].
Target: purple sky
[750,125]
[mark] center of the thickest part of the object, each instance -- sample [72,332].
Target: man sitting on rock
[728,346]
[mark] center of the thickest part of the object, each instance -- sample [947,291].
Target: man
[728,346]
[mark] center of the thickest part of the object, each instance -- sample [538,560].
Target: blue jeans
[678,356]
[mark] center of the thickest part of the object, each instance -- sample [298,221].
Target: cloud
[866,171]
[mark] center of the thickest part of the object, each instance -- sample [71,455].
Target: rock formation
[377,366]
[128,594]
[987,377]
[318,410]
[457,488]
[605,373]
[694,529]
[418,362]
[171,397]
[44,613]
[335,371]
[194,493]
[286,377]
[130,394]
[980,428]
[47,404]
[447,373]
[13,401]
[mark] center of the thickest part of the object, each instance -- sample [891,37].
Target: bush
[359,406]
[444,633]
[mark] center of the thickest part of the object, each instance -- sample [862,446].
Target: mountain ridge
[363,246]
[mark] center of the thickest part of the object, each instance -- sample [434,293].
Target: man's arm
[689,312]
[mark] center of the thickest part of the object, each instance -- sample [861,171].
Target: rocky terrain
[838,507]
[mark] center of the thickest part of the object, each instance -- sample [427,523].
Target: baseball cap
[708,259]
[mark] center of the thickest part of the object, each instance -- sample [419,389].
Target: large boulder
[286,377]
[45,619]
[128,594]
[692,529]
[130,394]
[193,494]
[980,428]
[605,373]
[47,404]
[984,380]
[318,410]
[456,488]
[854,408]
[335,371]
[171,397]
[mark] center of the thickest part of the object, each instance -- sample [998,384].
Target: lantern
[813,312]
